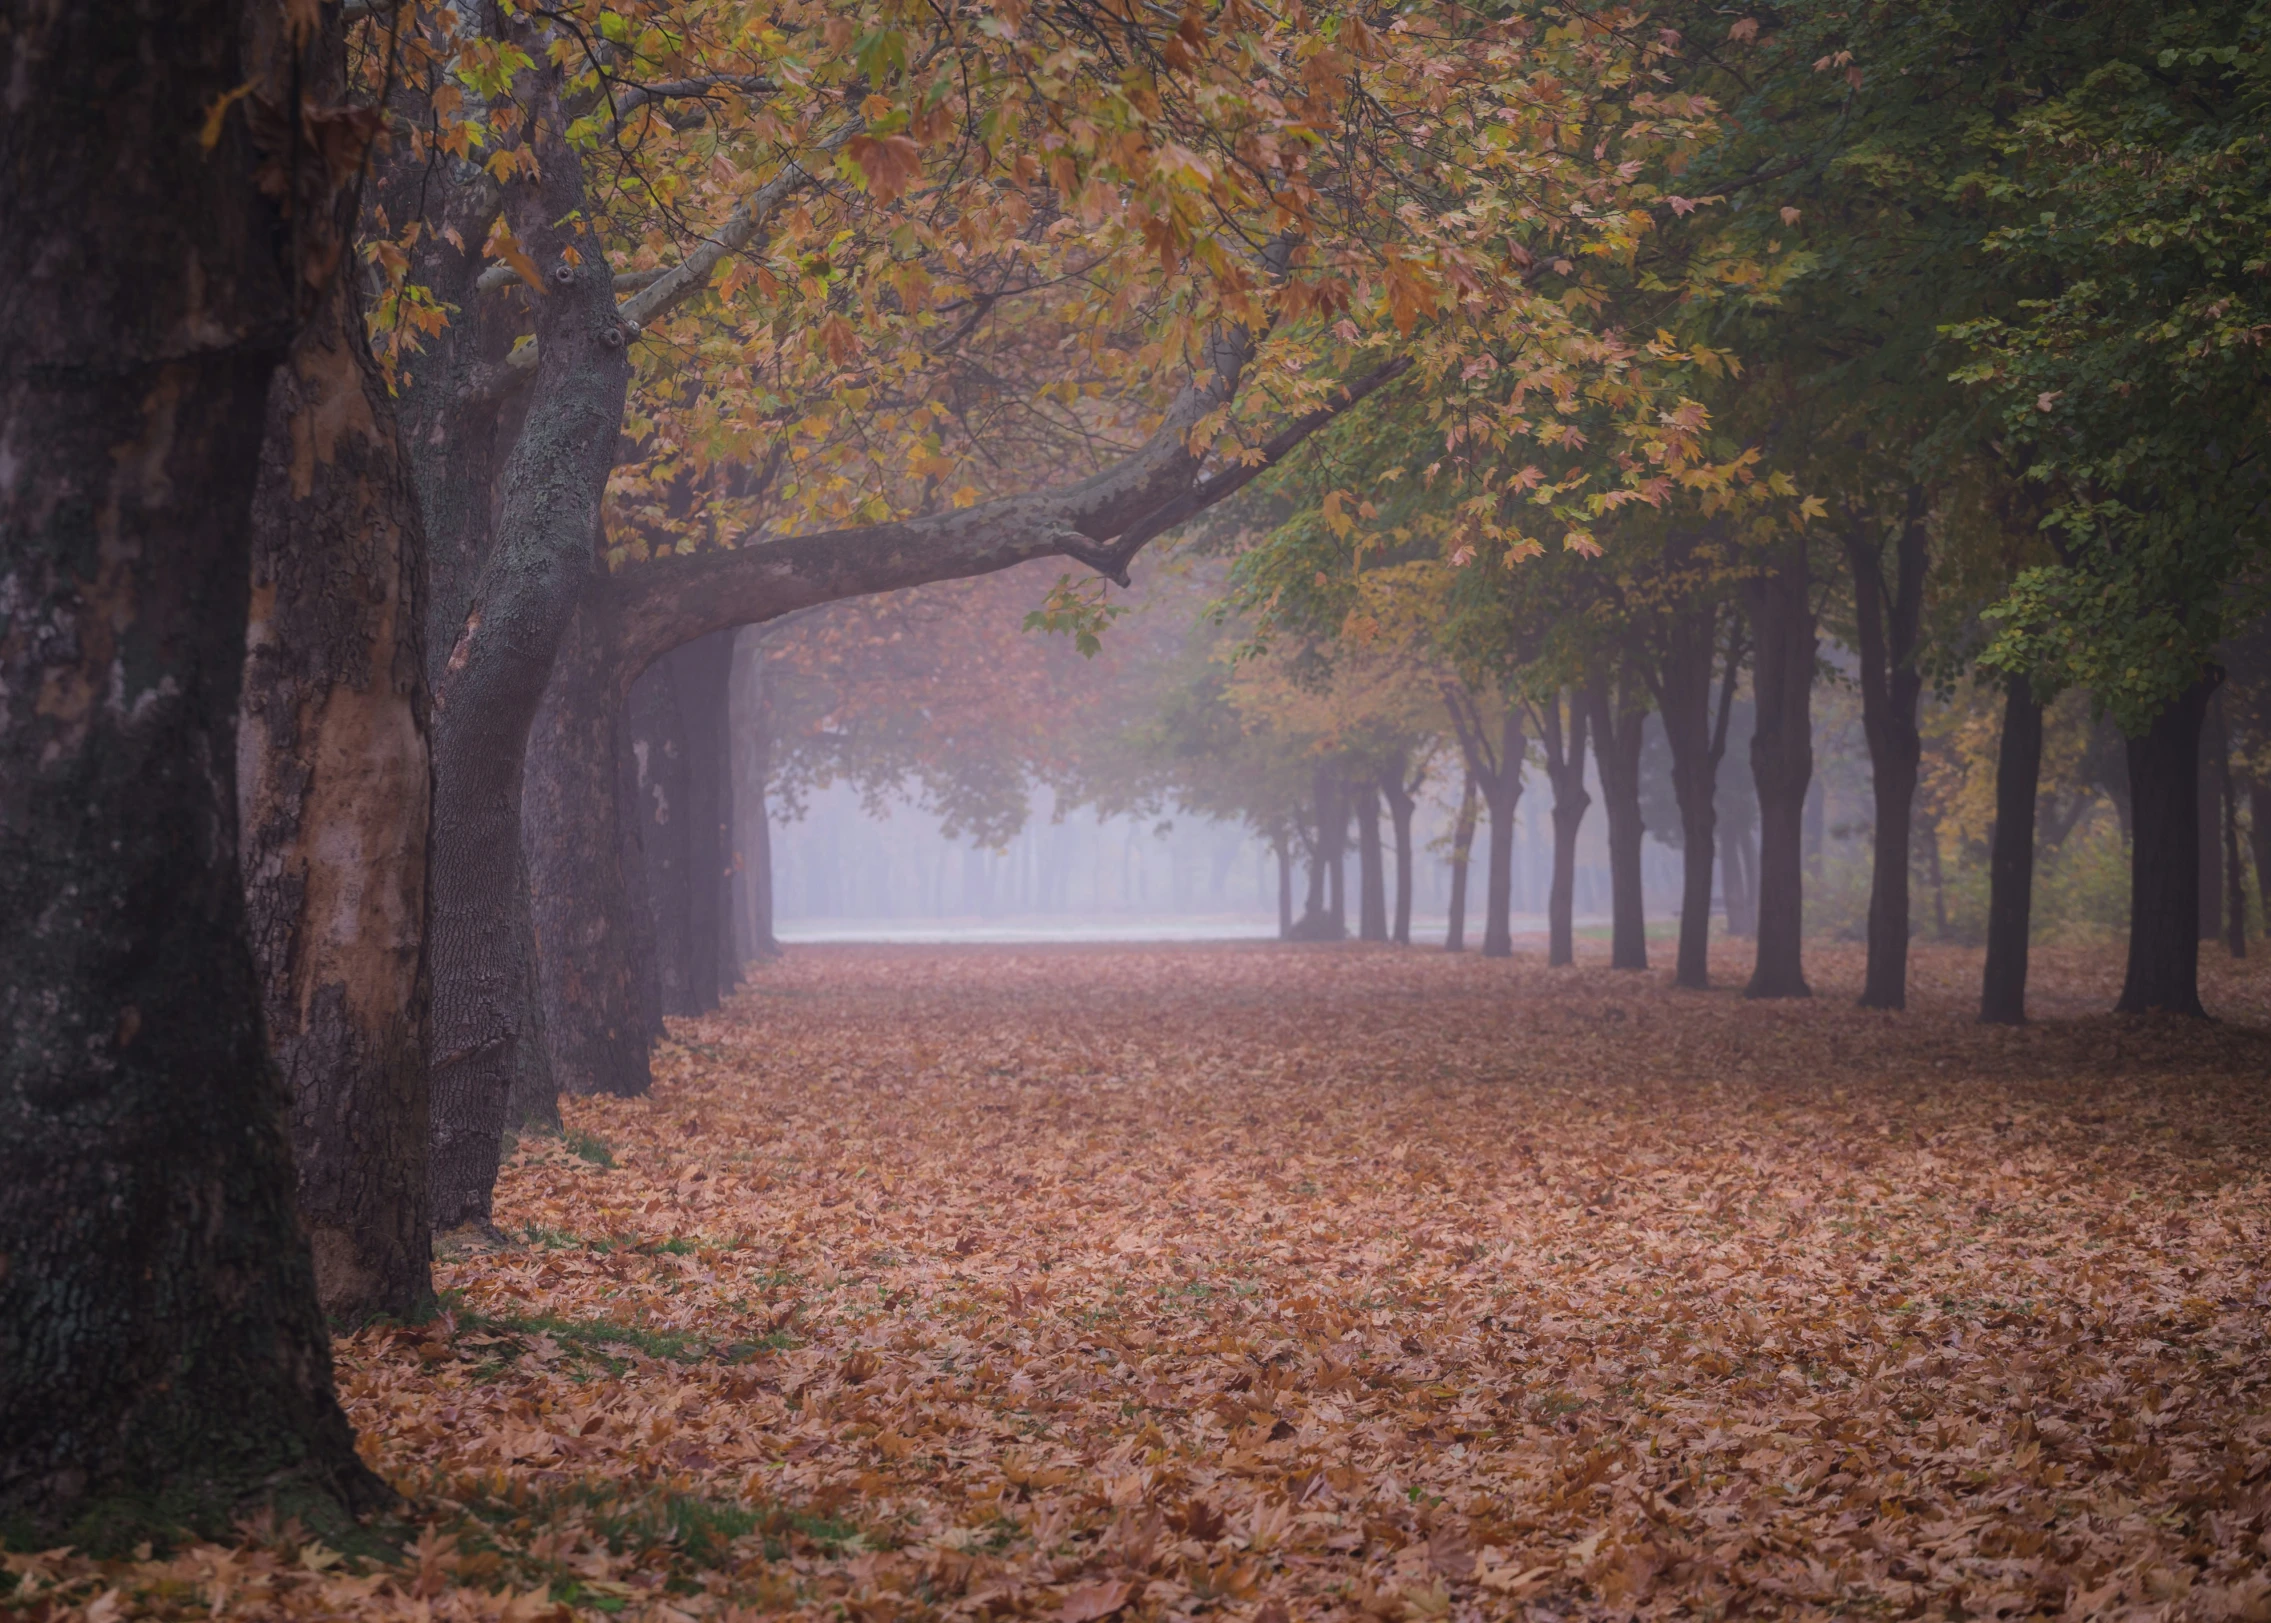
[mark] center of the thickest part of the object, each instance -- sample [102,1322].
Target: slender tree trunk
[1696,734]
[1890,621]
[495,673]
[752,725]
[1284,850]
[1565,768]
[2215,767]
[1462,851]
[1618,717]
[2259,840]
[594,943]
[162,1356]
[333,800]
[2010,862]
[2235,881]
[666,820]
[1782,765]
[699,674]
[1402,801]
[2164,859]
[1371,877]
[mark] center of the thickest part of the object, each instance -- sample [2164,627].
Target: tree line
[391,385]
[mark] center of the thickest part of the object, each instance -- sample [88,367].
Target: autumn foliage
[1269,1284]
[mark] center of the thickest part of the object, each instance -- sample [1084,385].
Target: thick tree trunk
[1284,850]
[594,942]
[700,672]
[1618,717]
[495,673]
[162,1355]
[1403,800]
[1371,867]
[333,795]
[2215,767]
[2010,859]
[1565,769]
[1890,619]
[1462,851]
[2164,859]
[1782,765]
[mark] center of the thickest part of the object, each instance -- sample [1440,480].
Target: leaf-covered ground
[1275,1284]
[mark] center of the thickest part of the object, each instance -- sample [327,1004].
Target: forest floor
[1271,1284]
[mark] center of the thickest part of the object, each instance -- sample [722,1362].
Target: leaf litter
[1269,1284]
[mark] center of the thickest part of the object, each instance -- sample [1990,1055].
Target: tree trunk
[2215,767]
[1565,769]
[1321,918]
[2010,861]
[1618,717]
[594,943]
[2164,859]
[1497,772]
[1890,623]
[1371,875]
[162,1356]
[1403,800]
[663,808]
[1696,735]
[2235,883]
[1462,850]
[699,674]
[333,798]
[494,677]
[751,722]
[1782,765]
[2259,840]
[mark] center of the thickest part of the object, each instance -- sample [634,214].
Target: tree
[162,1356]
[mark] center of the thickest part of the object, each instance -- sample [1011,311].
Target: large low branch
[1101,521]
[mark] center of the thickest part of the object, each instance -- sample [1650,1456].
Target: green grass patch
[669,1530]
[590,1146]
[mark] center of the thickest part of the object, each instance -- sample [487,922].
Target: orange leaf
[1091,1601]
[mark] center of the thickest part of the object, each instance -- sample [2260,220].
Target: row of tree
[390,386]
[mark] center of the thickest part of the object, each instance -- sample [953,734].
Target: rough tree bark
[162,1355]
[526,593]
[1890,619]
[1565,770]
[2010,858]
[1782,764]
[1371,875]
[333,789]
[1462,851]
[595,942]
[2164,859]
[1618,715]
